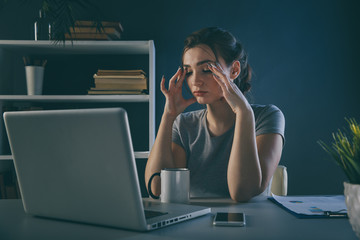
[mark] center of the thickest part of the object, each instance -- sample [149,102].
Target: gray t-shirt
[208,156]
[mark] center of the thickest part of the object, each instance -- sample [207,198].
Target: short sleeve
[269,119]
[176,135]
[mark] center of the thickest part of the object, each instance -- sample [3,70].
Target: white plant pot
[352,200]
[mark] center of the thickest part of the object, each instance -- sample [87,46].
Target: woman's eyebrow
[200,63]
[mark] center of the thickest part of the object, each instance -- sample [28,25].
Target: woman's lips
[199,93]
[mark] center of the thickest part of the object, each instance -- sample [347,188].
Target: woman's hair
[223,44]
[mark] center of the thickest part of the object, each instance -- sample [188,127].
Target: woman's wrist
[245,113]
[243,109]
[168,117]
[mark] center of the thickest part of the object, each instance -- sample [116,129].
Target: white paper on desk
[313,205]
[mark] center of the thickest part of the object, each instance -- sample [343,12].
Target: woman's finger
[219,76]
[172,82]
[219,81]
[181,78]
[162,86]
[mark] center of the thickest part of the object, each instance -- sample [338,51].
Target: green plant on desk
[346,152]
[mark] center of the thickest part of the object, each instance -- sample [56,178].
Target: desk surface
[265,220]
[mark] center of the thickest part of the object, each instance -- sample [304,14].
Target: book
[121,86]
[119,82]
[88,30]
[94,33]
[118,92]
[107,30]
[102,72]
[84,23]
[91,36]
[120,77]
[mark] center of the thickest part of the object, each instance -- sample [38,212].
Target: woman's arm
[244,171]
[269,150]
[253,160]
[164,153]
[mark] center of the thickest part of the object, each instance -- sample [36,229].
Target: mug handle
[149,185]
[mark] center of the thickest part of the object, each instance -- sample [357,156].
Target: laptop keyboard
[150,214]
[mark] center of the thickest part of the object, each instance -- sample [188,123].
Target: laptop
[79,165]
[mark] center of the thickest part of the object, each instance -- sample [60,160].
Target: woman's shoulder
[264,107]
[268,118]
[261,110]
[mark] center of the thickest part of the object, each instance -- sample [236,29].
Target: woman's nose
[197,80]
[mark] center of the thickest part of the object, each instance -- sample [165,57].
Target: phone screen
[231,219]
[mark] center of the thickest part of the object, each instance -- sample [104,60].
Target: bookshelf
[68,76]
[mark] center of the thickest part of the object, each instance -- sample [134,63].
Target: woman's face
[199,78]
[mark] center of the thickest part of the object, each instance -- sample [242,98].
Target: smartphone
[229,219]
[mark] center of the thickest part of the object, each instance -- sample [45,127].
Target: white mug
[175,185]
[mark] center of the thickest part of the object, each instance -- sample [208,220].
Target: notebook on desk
[79,165]
[332,206]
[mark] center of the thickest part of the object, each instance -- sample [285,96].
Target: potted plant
[62,15]
[345,150]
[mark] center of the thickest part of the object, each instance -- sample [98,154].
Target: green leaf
[345,152]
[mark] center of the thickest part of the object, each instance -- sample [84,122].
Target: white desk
[265,220]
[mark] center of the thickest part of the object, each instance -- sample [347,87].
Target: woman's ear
[235,70]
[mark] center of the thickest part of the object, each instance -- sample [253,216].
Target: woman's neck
[220,117]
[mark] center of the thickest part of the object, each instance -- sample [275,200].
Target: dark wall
[304,54]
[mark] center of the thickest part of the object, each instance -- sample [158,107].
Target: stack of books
[87,30]
[119,82]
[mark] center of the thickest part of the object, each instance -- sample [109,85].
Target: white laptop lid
[68,163]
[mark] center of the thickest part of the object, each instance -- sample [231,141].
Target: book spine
[120,86]
[107,30]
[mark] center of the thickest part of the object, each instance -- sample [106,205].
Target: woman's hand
[175,102]
[232,94]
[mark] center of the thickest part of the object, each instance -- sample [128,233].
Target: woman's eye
[188,73]
[207,71]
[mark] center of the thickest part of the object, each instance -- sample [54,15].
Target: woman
[231,147]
